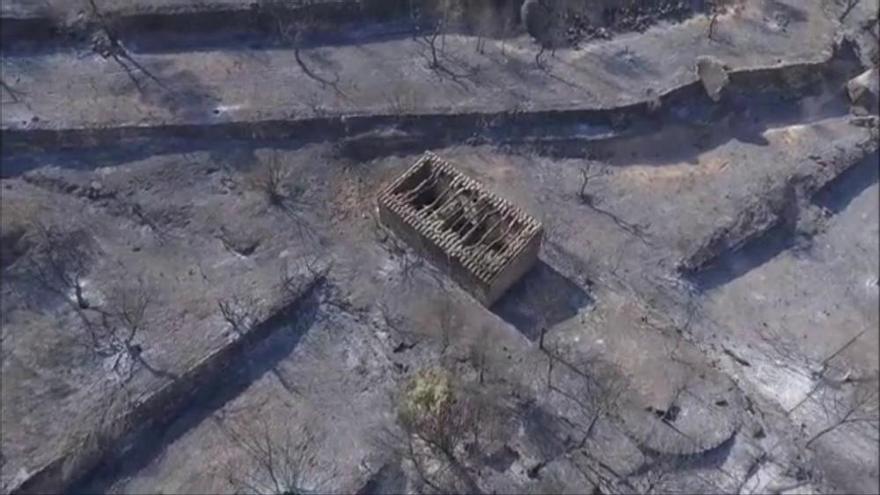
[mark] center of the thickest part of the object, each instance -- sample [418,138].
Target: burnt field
[201,294]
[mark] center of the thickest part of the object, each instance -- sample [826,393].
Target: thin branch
[850,5]
[12,92]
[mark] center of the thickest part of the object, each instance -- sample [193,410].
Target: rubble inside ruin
[484,243]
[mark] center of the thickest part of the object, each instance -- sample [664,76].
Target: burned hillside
[447,246]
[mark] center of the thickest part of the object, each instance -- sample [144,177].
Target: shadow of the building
[542,298]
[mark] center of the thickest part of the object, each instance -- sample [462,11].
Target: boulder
[863,90]
[713,75]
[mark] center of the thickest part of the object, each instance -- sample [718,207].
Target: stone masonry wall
[480,240]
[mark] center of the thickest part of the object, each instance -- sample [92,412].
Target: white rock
[713,74]
[863,89]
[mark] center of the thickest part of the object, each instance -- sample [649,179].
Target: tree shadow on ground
[546,431]
[840,192]
[179,91]
[210,394]
[242,30]
[689,125]
[541,299]
[390,478]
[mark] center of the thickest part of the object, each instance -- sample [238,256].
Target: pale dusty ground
[606,286]
[374,76]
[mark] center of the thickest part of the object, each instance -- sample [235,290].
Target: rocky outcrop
[864,90]
[713,75]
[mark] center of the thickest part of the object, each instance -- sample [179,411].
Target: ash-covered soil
[197,295]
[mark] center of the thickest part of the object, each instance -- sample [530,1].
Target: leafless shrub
[479,353]
[855,403]
[60,260]
[401,100]
[849,5]
[332,84]
[587,174]
[128,303]
[447,425]
[125,315]
[279,463]
[603,389]
[13,93]
[291,27]
[712,22]
[780,348]
[398,250]
[106,43]
[544,21]
[606,390]
[270,178]
[431,38]
[448,321]
[480,46]
[716,9]
[298,275]
[491,416]
[596,386]
[432,409]
[432,22]
[428,30]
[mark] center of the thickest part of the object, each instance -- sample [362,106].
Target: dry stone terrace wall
[483,242]
[70,471]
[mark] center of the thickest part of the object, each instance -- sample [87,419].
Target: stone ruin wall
[484,243]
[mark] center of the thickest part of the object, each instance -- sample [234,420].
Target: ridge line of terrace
[630,103]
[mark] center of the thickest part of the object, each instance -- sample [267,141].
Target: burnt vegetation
[60,260]
[624,279]
[273,462]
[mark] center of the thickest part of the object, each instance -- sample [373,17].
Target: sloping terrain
[197,295]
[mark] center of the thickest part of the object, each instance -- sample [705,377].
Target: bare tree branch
[60,260]
[279,462]
[438,416]
[850,5]
[858,404]
[126,315]
[14,93]
[108,45]
[241,311]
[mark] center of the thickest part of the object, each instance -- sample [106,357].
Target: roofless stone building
[482,241]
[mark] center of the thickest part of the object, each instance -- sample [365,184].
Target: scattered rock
[863,90]
[713,73]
